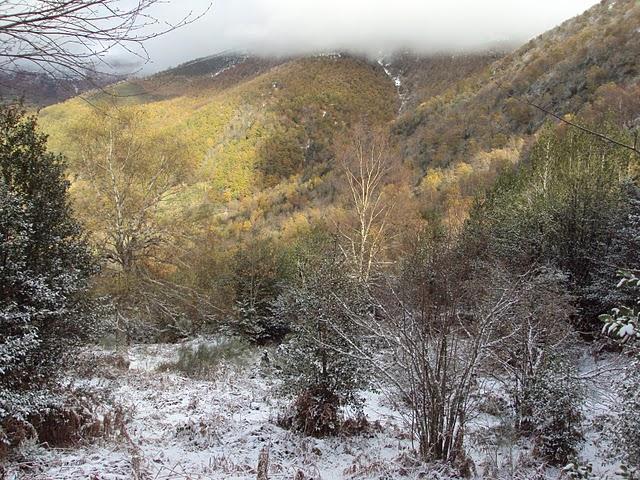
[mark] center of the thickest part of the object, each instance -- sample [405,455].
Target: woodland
[323,266]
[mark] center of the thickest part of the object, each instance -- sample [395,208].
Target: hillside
[260,134]
[458,136]
[329,266]
[422,77]
[232,108]
[39,90]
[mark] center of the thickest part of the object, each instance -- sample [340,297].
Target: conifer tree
[44,266]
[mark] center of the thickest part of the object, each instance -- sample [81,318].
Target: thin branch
[634,148]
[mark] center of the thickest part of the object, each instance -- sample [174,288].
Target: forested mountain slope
[425,76]
[40,90]
[234,109]
[288,234]
[587,65]
[252,145]
[258,137]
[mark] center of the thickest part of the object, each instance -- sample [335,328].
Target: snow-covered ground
[396,79]
[180,428]
[188,429]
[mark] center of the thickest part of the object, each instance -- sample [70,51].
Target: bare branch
[634,148]
[71,38]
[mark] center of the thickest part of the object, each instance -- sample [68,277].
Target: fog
[283,27]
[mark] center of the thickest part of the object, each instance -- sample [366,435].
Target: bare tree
[540,329]
[72,37]
[365,165]
[126,175]
[435,332]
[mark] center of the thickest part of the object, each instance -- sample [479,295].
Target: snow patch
[396,79]
[233,64]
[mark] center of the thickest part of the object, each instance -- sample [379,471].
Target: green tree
[44,267]
[562,209]
[321,365]
[260,269]
[623,325]
[553,400]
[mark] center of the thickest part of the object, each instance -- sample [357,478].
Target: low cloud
[283,27]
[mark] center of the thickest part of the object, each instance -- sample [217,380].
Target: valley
[418,263]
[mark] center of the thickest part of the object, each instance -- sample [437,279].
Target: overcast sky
[364,26]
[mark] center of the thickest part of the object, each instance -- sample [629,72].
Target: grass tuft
[204,361]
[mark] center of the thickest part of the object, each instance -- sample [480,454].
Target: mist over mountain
[287,27]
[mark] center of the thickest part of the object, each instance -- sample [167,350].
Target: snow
[627,330]
[181,428]
[233,64]
[185,428]
[599,375]
[333,55]
[396,79]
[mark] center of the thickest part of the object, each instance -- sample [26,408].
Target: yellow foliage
[294,226]
[433,179]
[462,170]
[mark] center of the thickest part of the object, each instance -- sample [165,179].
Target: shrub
[552,404]
[318,362]
[203,361]
[260,267]
[576,470]
[199,433]
[70,418]
[622,324]
[625,424]
[314,412]
[44,270]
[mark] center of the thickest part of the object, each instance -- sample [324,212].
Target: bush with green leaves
[321,363]
[624,421]
[628,473]
[44,269]
[552,402]
[564,209]
[260,269]
[624,250]
[622,324]
[623,320]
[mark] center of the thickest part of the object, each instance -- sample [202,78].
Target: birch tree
[365,164]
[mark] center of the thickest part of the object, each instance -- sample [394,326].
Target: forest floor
[182,428]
